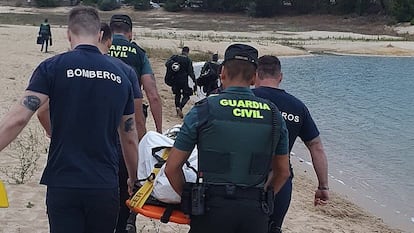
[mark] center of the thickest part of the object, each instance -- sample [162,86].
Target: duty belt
[234,192]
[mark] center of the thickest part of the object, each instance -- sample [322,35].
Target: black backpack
[208,74]
[173,67]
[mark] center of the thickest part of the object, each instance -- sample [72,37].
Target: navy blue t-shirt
[298,119]
[88,95]
[132,77]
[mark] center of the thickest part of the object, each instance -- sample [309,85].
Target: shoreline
[338,187]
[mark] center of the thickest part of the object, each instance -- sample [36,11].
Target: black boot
[273,228]
[130,226]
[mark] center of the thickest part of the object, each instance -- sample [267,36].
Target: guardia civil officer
[299,123]
[133,55]
[46,34]
[181,68]
[239,137]
[90,99]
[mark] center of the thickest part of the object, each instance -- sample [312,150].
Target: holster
[267,201]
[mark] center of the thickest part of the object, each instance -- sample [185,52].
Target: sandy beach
[20,56]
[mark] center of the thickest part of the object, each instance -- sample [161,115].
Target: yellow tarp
[4,203]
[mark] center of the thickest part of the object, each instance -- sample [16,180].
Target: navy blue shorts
[82,210]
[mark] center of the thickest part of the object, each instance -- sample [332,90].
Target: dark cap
[241,52]
[121,19]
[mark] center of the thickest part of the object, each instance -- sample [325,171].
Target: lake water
[364,108]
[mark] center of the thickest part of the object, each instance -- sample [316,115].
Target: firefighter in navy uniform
[239,138]
[299,123]
[90,99]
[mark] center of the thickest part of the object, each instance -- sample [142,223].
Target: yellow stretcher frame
[137,202]
[4,202]
[141,196]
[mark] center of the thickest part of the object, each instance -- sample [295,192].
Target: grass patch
[159,53]
[164,54]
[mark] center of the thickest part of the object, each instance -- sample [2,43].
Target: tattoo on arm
[129,123]
[31,102]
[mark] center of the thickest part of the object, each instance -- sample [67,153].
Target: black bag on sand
[39,40]
[50,41]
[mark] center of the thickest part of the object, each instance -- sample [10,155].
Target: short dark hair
[120,27]
[107,33]
[121,23]
[237,67]
[268,65]
[185,49]
[84,20]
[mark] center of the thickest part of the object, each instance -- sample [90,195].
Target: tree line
[401,10]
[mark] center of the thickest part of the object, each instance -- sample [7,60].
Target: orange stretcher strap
[153,211]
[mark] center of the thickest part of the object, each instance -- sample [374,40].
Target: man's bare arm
[129,143]
[139,119]
[320,165]
[319,161]
[173,169]
[19,115]
[43,114]
[150,88]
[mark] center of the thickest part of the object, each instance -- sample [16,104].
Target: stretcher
[162,211]
[155,198]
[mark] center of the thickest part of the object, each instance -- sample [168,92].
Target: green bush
[412,21]
[174,5]
[345,6]
[264,8]
[141,4]
[403,10]
[90,2]
[47,3]
[108,5]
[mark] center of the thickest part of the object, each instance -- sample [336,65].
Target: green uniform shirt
[188,135]
[131,54]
